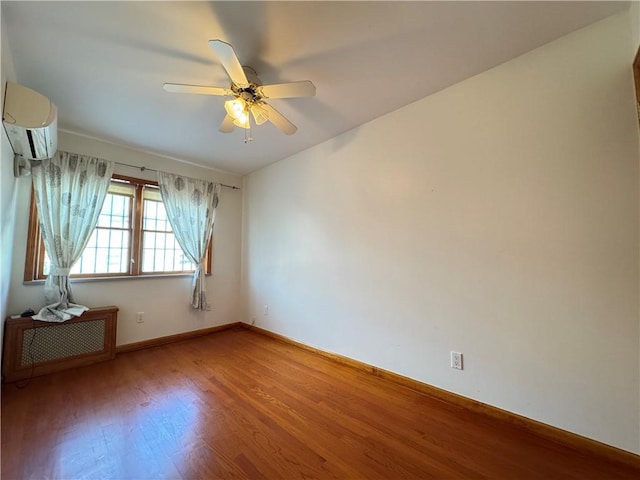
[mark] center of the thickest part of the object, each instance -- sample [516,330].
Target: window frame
[34,261]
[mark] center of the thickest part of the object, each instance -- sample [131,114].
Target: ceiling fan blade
[229,61]
[227,125]
[289,90]
[279,120]
[199,89]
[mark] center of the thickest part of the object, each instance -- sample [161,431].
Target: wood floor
[237,404]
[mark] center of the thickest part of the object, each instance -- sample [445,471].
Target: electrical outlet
[456,360]
[266,309]
[140,317]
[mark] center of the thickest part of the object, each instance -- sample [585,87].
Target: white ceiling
[103,63]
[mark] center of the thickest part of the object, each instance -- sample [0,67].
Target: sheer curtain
[191,209]
[69,191]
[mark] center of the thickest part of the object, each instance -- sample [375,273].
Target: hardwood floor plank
[332,416]
[381,422]
[474,447]
[237,404]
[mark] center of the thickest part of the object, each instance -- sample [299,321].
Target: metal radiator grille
[62,341]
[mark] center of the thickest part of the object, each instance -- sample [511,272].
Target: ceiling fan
[249,94]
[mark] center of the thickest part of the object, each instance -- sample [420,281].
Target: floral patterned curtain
[191,209]
[69,191]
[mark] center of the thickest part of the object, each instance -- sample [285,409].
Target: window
[133,237]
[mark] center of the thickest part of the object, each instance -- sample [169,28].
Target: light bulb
[236,107]
[242,120]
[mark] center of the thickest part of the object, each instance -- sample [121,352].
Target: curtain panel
[191,209]
[69,192]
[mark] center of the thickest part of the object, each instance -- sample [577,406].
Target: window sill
[123,277]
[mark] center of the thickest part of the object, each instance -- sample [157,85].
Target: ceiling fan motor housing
[249,93]
[252,76]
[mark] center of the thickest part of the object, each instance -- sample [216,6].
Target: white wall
[165,300]
[498,218]
[634,21]
[8,192]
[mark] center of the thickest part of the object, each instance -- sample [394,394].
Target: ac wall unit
[31,122]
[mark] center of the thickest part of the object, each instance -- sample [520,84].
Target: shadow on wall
[341,141]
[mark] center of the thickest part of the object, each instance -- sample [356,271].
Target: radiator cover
[33,348]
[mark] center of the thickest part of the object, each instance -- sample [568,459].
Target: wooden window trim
[35,255]
[636,79]
[136,223]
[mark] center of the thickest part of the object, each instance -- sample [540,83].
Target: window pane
[155,216]
[106,252]
[115,211]
[162,222]
[87,263]
[160,241]
[103,238]
[150,209]
[161,253]
[46,265]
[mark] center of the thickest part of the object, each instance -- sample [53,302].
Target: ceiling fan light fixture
[242,120]
[249,94]
[235,107]
[260,114]
[238,110]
